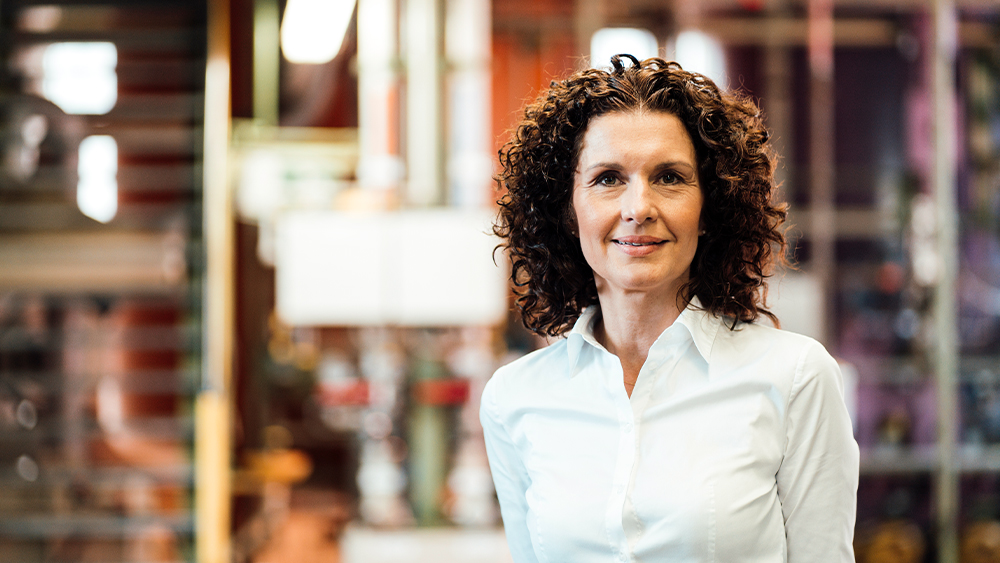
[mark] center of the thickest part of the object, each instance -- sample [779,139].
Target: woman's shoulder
[534,364]
[765,339]
[526,374]
[787,353]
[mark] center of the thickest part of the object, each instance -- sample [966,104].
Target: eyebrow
[616,166]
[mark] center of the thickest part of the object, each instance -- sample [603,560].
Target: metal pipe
[424,103]
[379,165]
[947,489]
[266,61]
[822,235]
[467,46]
[777,101]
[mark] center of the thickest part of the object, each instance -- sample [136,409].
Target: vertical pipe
[429,426]
[947,488]
[777,100]
[424,123]
[823,234]
[379,165]
[588,17]
[212,406]
[468,49]
[266,61]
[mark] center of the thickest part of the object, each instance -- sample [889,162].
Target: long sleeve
[509,477]
[818,477]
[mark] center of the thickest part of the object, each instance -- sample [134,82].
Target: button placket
[623,468]
[630,427]
[627,449]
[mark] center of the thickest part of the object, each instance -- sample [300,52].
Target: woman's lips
[638,240]
[638,245]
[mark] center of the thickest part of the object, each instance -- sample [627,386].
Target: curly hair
[743,241]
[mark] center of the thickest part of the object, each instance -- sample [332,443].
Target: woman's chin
[650,286]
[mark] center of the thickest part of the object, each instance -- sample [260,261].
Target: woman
[668,425]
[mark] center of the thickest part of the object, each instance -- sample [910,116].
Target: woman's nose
[637,203]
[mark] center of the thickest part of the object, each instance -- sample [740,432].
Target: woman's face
[637,202]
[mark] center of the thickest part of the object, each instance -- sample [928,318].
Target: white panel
[411,268]
[446,271]
[329,268]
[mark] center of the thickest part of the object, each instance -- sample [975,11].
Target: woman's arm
[818,477]
[509,477]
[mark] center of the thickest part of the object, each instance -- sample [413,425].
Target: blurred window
[610,41]
[97,192]
[698,51]
[80,78]
[312,31]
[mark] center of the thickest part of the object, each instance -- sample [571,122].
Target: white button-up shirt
[735,446]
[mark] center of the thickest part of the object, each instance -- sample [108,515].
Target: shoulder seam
[796,384]
[495,407]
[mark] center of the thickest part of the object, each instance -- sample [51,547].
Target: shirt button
[622,557]
[621,488]
[627,428]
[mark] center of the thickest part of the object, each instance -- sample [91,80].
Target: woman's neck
[630,323]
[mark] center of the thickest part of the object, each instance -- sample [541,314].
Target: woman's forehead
[636,134]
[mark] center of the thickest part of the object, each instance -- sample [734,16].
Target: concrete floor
[435,545]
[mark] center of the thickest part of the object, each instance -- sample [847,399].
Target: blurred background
[247,300]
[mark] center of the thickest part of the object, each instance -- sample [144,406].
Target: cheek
[582,215]
[694,219]
[591,226]
[694,222]
[589,229]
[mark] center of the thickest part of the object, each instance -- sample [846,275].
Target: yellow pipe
[213,472]
[212,477]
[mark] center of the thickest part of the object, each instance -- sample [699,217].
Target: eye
[670,178]
[607,179]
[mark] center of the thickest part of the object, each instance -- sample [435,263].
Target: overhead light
[610,41]
[312,31]
[699,52]
[97,190]
[40,19]
[80,78]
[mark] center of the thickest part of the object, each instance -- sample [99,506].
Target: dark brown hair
[553,282]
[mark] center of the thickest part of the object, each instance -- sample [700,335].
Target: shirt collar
[583,331]
[701,324]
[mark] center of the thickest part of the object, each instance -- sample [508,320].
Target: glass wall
[100,264]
